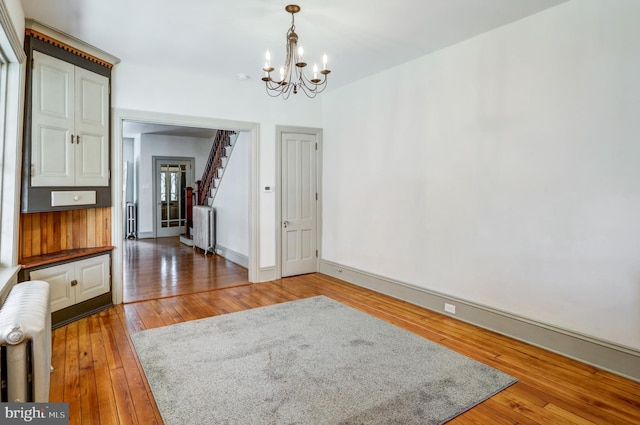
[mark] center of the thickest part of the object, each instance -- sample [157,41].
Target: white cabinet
[72,283]
[70,124]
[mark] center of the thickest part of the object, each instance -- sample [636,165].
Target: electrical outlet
[450,308]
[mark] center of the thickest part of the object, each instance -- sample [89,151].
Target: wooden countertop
[54,257]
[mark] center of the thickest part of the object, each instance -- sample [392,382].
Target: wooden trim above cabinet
[50,35]
[43,37]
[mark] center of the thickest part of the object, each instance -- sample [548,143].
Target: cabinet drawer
[65,198]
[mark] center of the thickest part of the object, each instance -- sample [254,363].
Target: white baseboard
[233,256]
[267,274]
[146,235]
[622,360]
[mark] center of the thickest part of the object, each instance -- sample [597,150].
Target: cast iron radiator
[25,343]
[131,220]
[204,228]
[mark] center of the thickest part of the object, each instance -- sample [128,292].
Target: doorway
[171,177]
[120,117]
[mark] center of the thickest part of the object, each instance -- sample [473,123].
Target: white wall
[503,170]
[166,91]
[232,200]
[128,157]
[168,146]
[137,152]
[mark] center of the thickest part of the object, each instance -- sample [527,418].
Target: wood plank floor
[98,373]
[163,267]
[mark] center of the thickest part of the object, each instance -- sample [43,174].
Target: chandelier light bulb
[267,67]
[324,61]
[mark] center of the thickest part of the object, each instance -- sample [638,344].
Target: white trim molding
[317,132]
[621,360]
[12,84]
[10,37]
[268,274]
[70,40]
[120,115]
[8,278]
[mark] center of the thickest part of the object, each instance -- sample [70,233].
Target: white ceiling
[227,38]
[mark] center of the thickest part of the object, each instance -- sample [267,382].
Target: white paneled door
[299,204]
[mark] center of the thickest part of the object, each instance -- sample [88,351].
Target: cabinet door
[52,148]
[92,129]
[59,278]
[93,275]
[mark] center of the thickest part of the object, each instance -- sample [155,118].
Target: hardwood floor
[98,373]
[163,267]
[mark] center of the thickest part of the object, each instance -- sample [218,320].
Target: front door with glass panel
[172,177]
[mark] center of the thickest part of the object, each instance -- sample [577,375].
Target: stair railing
[220,141]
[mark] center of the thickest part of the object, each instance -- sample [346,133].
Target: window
[12,59]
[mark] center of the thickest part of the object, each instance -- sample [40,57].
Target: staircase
[207,187]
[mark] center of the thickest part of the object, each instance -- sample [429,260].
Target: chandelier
[292,76]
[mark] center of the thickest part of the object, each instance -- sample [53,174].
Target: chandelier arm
[315,88]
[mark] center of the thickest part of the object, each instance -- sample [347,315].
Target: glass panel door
[173,178]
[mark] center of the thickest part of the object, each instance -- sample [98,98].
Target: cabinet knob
[74,282]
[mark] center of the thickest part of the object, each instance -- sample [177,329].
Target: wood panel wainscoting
[45,233]
[98,373]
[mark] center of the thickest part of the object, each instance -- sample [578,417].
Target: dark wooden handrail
[188,206]
[220,141]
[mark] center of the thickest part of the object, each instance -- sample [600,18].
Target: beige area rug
[312,361]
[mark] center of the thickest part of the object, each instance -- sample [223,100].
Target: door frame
[118,116]
[156,159]
[317,132]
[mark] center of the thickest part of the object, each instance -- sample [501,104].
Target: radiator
[204,228]
[25,343]
[131,221]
